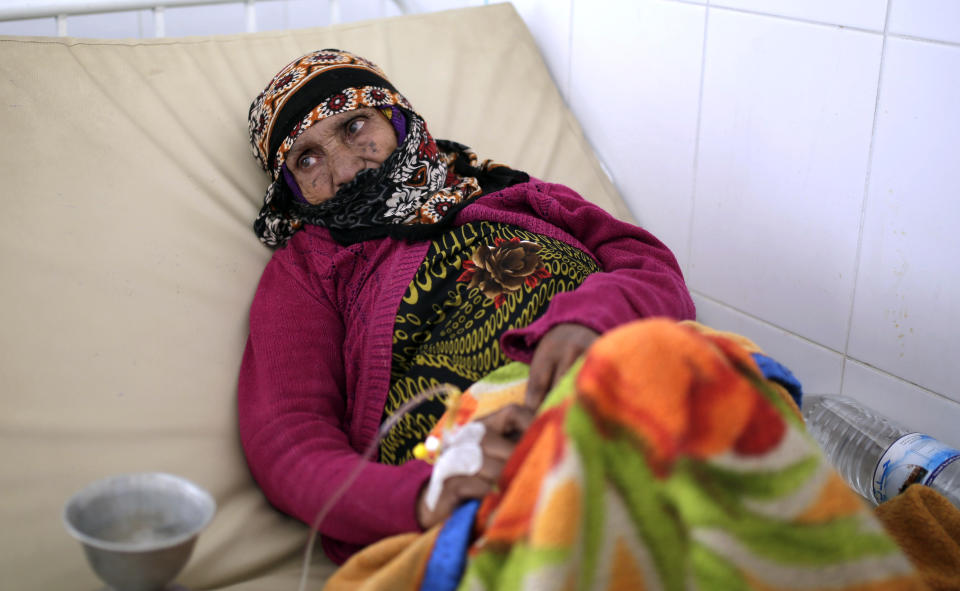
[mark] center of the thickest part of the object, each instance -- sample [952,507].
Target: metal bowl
[138,530]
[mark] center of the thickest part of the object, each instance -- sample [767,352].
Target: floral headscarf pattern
[307,90]
[423,182]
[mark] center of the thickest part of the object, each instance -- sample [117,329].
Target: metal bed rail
[61,9]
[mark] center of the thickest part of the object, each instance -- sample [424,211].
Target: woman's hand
[503,430]
[558,349]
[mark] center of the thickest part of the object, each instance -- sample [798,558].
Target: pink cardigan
[316,369]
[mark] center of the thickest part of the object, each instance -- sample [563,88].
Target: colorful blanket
[664,460]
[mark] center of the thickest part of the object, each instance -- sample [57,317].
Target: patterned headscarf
[421,185]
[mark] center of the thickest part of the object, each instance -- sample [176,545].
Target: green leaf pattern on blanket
[717,523]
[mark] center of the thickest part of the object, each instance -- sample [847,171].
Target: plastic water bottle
[876,457]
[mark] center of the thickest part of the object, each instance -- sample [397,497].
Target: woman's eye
[355,125]
[306,161]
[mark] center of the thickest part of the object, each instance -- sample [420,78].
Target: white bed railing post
[250,12]
[334,12]
[159,26]
[61,25]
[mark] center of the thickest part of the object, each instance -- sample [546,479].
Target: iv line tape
[461,456]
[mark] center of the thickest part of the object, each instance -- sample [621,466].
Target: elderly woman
[403,263]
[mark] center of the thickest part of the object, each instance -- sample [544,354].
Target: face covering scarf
[414,194]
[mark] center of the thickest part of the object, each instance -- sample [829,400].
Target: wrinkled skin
[557,351]
[332,151]
[503,430]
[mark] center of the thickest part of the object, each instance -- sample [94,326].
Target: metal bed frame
[61,9]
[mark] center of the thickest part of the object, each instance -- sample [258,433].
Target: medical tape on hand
[461,456]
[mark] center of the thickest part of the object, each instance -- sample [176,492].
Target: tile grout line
[807,21]
[903,380]
[823,347]
[885,32]
[696,147]
[746,314]
[857,259]
[906,37]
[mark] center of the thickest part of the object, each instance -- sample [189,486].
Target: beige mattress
[128,261]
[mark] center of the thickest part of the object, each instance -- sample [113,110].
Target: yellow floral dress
[476,282]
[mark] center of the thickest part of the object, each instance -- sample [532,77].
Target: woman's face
[335,149]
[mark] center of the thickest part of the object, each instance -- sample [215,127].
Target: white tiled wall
[804,165]
[785,119]
[639,104]
[801,157]
[905,312]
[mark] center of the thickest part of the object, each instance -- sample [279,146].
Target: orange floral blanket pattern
[665,461]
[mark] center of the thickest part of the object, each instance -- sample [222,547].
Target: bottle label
[912,458]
